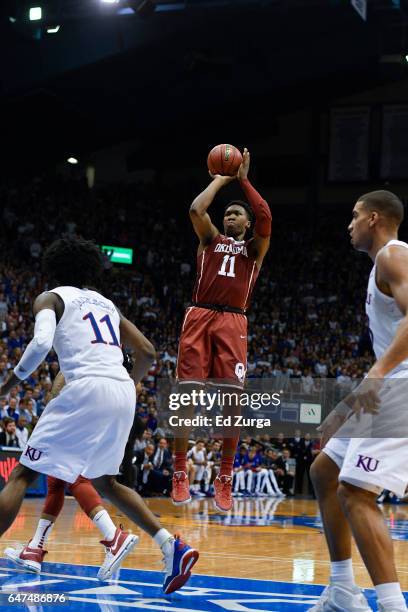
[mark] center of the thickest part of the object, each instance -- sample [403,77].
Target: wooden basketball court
[264,539]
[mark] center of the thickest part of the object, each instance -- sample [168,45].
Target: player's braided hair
[248,209]
[74,262]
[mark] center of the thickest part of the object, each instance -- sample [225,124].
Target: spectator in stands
[11,410]
[162,473]
[288,476]
[240,460]
[22,432]
[144,466]
[8,437]
[143,440]
[213,463]
[196,464]
[270,466]
[280,442]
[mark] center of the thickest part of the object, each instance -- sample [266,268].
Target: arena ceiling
[200,68]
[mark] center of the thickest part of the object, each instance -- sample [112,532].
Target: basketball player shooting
[351,472]
[84,430]
[213,342]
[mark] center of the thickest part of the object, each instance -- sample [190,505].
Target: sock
[342,571]
[226,466]
[164,539]
[180,462]
[390,595]
[42,533]
[104,523]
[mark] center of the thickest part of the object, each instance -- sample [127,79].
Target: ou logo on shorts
[240,372]
[32,453]
[367,463]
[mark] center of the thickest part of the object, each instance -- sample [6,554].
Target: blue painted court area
[397,527]
[137,589]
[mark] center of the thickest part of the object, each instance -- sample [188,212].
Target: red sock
[226,466]
[180,462]
[229,447]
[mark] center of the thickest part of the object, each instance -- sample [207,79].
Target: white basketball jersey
[383,314]
[87,337]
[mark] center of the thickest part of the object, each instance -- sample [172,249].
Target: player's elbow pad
[40,345]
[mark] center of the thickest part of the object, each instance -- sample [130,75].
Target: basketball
[224,159]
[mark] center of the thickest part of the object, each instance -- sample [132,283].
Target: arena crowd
[306,321]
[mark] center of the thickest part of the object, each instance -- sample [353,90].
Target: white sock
[342,571]
[104,523]
[42,533]
[390,595]
[164,539]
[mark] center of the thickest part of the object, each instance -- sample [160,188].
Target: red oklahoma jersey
[226,274]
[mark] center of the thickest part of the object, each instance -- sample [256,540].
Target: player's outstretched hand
[366,396]
[330,425]
[224,179]
[244,167]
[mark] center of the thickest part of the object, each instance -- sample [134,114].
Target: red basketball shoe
[28,558]
[116,551]
[223,495]
[180,493]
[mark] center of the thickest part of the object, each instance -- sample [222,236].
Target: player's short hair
[74,262]
[248,209]
[386,203]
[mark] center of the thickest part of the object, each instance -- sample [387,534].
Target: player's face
[360,227]
[236,221]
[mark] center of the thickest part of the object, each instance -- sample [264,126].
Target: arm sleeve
[262,212]
[40,345]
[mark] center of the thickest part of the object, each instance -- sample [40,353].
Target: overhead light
[406,58]
[12,19]
[72,160]
[110,1]
[35,13]
[53,29]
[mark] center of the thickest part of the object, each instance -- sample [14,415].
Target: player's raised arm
[143,350]
[392,270]
[263,217]
[46,309]
[199,216]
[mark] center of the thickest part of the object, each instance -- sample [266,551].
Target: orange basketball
[224,159]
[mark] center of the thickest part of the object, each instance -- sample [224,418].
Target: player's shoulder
[392,254]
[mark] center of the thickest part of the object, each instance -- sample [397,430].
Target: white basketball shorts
[371,462]
[84,430]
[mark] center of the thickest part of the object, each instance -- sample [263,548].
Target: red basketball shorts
[213,345]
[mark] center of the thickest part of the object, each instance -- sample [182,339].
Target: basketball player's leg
[11,497]
[229,334]
[325,474]
[325,477]
[91,503]
[193,368]
[179,558]
[32,555]
[370,465]
[370,531]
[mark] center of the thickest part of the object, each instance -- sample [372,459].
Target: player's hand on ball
[244,167]
[222,178]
